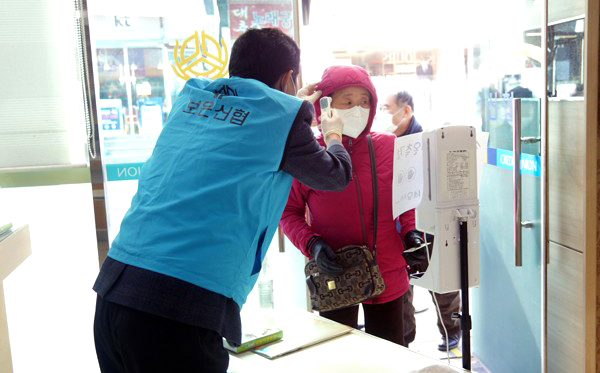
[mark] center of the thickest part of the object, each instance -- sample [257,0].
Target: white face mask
[386,119]
[355,120]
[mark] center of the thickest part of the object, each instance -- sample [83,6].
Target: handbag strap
[375,191]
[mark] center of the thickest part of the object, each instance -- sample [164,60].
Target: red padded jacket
[336,216]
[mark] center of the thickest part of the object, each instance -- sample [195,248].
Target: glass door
[508,306]
[143,55]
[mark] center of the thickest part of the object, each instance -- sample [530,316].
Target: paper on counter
[407,187]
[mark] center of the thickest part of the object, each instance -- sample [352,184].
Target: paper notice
[458,173]
[407,188]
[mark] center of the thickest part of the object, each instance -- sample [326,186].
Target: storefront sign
[258,15]
[401,57]
[530,164]
[123,171]
[123,23]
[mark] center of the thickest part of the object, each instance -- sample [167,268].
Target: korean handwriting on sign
[409,150]
[221,113]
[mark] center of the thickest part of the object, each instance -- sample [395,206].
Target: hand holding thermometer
[325,103]
[331,123]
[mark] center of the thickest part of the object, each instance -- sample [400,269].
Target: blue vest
[210,197]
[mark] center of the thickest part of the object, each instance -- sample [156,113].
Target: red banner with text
[259,15]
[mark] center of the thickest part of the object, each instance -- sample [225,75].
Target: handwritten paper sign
[407,188]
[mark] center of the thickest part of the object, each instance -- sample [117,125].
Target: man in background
[401,107]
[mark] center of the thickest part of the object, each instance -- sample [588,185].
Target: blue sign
[530,164]
[110,118]
[123,171]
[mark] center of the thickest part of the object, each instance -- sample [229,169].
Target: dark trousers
[448,302]
[132,341]
[382,320]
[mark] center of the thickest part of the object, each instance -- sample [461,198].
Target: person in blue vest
[403,122]
[208,203]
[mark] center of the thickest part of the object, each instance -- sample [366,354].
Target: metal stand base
[465,317]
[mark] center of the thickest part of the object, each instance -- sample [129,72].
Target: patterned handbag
[361,279]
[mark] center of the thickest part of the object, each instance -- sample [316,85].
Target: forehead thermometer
[325,103]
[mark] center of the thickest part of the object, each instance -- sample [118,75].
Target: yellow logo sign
[184,67]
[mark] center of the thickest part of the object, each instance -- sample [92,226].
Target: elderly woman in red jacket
[338,219]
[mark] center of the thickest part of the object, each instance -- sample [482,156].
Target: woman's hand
[325,258]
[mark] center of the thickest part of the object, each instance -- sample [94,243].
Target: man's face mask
[386,120]
[355,120]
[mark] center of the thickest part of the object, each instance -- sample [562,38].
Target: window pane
[144,53]
[41,106]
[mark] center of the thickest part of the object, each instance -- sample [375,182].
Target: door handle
[518,223]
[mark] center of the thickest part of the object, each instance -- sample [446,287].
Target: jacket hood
[338,77]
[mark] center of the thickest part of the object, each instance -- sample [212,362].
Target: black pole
[465,318]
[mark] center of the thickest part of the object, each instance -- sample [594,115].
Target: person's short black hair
[404,98]
[264,54]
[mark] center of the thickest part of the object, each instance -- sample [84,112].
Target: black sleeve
[310,163]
